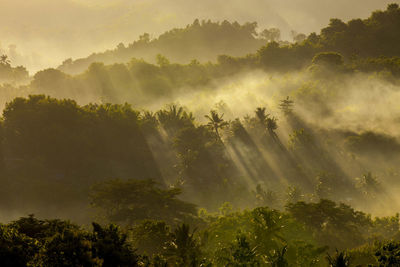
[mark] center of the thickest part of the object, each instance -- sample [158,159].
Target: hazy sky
[46,32]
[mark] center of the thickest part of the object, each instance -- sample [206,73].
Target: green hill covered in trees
[375,36]
[201,40]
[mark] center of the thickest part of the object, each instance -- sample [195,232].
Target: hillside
[372,37]
[203,41]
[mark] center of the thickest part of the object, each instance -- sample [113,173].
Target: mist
[358,102]
[264,133]
[46,32]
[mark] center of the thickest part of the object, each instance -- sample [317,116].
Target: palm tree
[340,259]
[261,116]
[286,106]
[4,60]
[270,123]
[149,121]
[279,260]
[216,122]
[184,248]
[174,118]
[243,254]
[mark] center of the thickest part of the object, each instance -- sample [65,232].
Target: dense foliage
[288,177]
[12,75]
[258,237]
[57,151]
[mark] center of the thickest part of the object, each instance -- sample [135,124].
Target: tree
[279,259]
[340,259]
[174,119]
[184,249]
[336,26]
[373,143]
[99,79]
[151,237]
[335,225]
[392,7]
[272,34]
[16,249]
[68,248]
[162,61]
[42,229]
[144,38]
[265,198]
[130,201]
[328,59]
[238,254]
[267,230]
[298,37]
[388,255]
[61,243]
[4,60]
[49,80]
[286,106]
[216,122]
[112,247]
[261,116]
[149,123]
[268,122]
[272,125]
[275,57]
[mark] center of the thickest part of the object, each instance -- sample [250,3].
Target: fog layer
[44,32]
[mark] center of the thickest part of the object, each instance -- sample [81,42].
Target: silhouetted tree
[216,122]
[286,106]
[340,259]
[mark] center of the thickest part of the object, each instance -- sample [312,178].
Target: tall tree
[262,116]
[4,60]
[216,122]
[174,118]
[286,106]
[267,121]
[184,249]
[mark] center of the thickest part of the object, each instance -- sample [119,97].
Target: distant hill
[203,41]
[376,36]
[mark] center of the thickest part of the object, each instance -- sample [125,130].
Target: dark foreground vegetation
[301,235]
[288,180]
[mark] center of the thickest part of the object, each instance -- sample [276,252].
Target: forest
[216,144]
